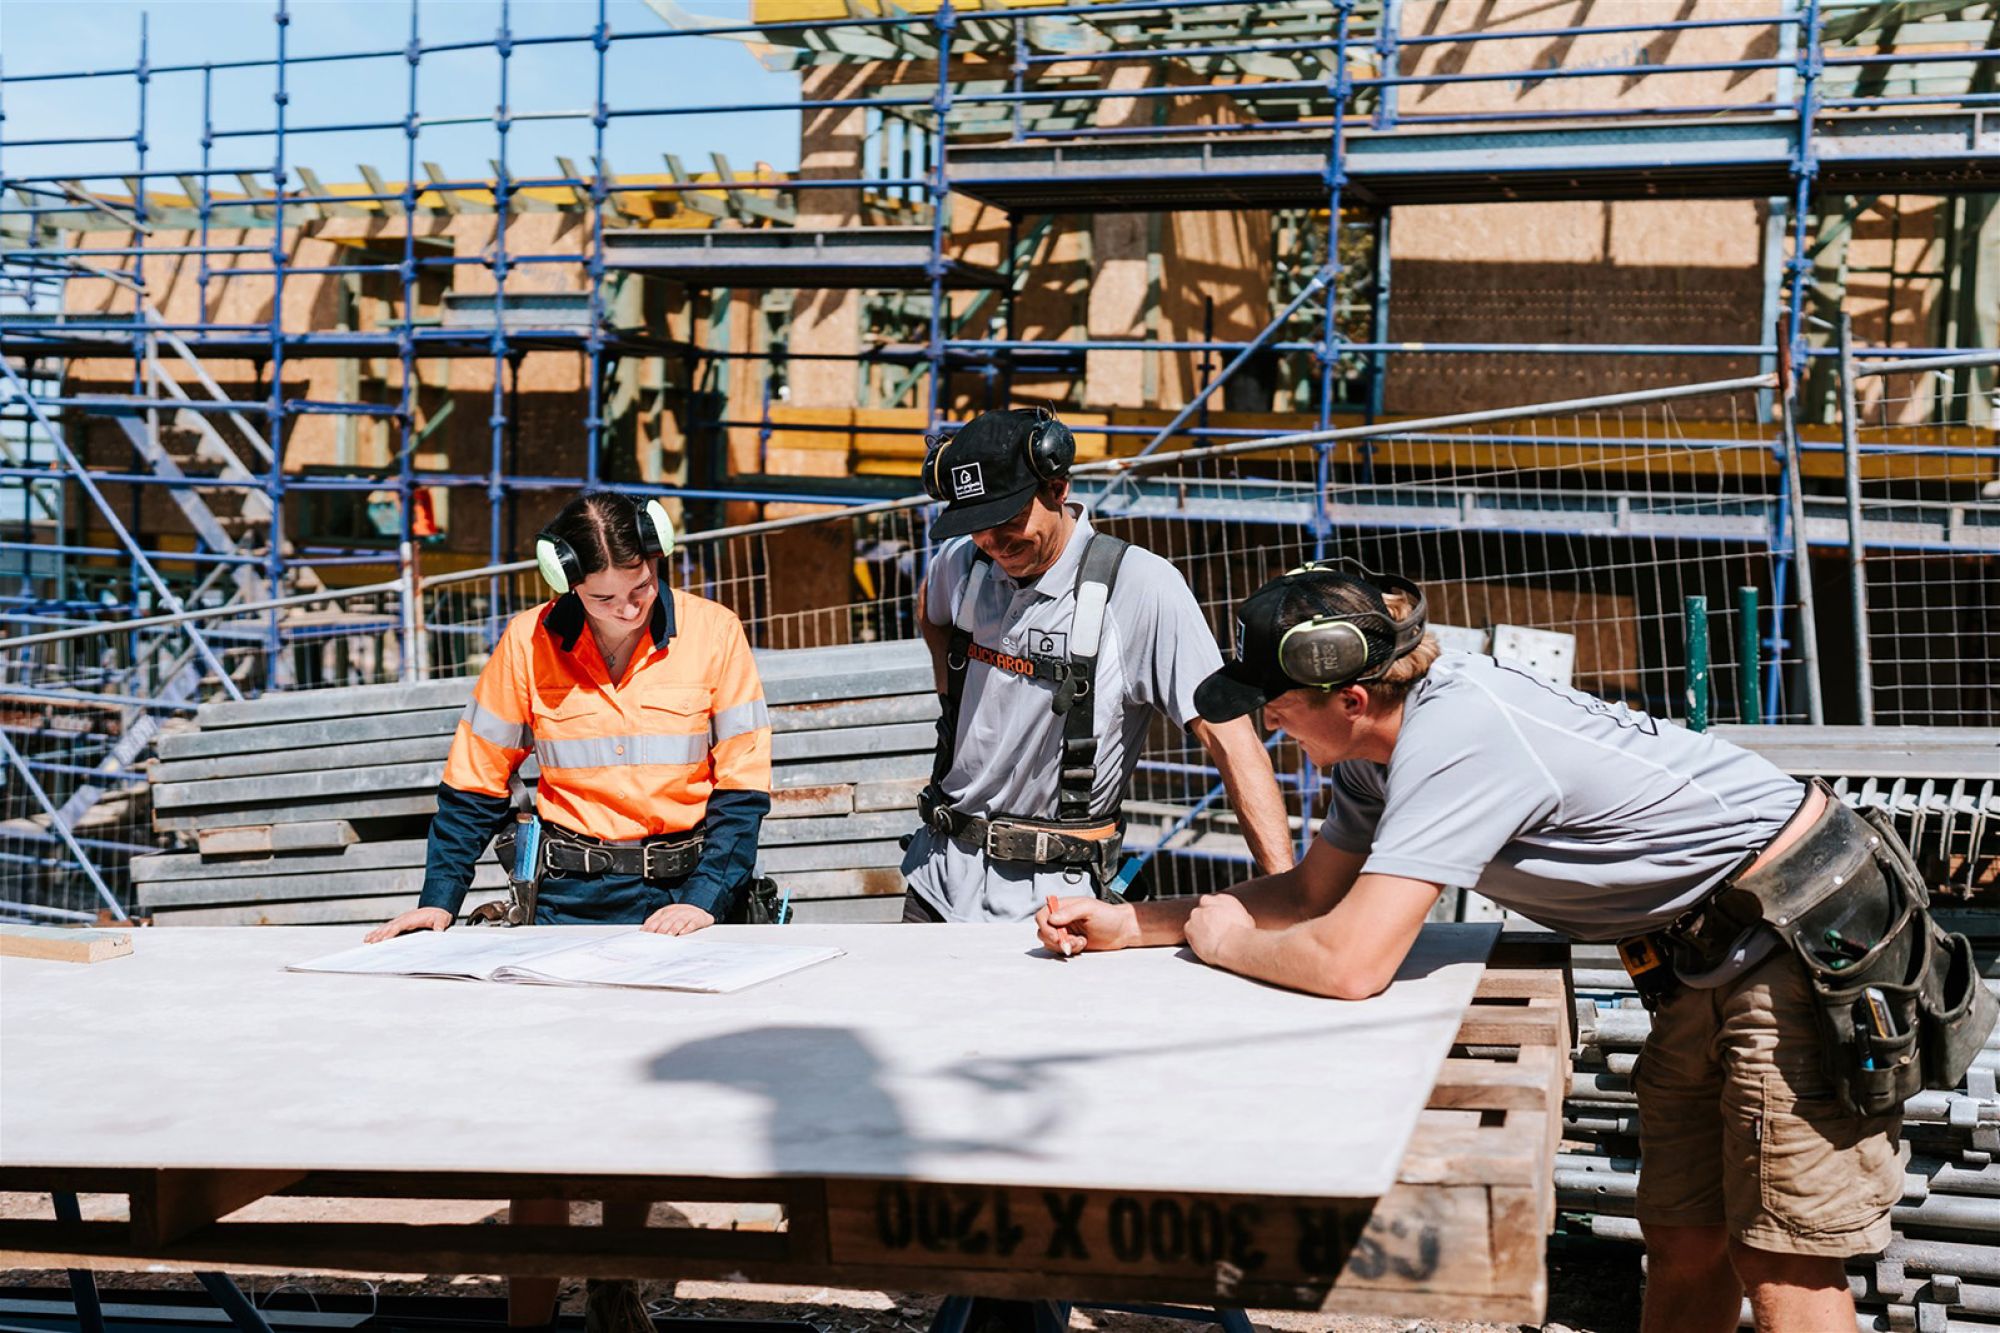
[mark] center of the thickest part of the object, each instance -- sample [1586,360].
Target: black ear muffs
[1051,447]
[1330,652]
[933,473]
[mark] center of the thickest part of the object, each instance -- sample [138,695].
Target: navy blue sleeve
[728,852]
[465,822]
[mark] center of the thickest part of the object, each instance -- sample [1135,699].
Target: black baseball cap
[982,473]
[1255,676]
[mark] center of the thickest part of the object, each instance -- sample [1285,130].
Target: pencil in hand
[1066,942]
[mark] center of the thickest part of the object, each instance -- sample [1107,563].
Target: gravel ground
[1593,1289]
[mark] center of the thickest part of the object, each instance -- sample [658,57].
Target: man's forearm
[1253,792]
[1292,958]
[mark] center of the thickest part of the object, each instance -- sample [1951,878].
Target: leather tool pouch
[1899,1002]
[756,904]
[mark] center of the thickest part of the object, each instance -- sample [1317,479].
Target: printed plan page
[633,958]
[664,962]
[468,954]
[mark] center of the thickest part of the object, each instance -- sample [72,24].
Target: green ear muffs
[562,570]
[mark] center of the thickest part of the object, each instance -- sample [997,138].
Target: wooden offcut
[62,945]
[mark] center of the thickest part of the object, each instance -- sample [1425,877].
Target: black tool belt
[1899,1002]
[661,860]
[1089,844]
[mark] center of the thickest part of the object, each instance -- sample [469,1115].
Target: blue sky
[46,36]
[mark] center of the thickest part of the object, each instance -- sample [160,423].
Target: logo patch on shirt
[967,482]
[1048,643]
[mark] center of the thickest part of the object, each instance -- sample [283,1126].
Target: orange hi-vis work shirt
[621,760]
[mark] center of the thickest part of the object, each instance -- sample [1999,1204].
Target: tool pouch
[1958,1010]
[756,904]
[1851,905]
[523,881]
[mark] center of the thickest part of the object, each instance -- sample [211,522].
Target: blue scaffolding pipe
[1537,34]
[1311,129]
[141,566]
[1197,345]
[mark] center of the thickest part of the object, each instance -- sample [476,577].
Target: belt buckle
[1005,836]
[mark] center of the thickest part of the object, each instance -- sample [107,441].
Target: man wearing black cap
[1755,914]
[1054,646]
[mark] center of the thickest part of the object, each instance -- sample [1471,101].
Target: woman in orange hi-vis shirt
[643,709]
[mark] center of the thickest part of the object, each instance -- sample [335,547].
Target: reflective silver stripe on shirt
[745,717]
[611,751]
[490,726]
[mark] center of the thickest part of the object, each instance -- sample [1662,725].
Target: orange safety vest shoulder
[623,760]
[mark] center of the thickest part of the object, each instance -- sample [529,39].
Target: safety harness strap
[1095,575]
[1074,679]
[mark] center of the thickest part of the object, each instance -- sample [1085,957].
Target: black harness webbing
[1074,679]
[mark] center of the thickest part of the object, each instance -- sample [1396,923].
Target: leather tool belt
[1092,845]
[660,860]
[1899,1001]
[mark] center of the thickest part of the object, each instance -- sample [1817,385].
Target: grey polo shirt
[1156,647]
[1586,816]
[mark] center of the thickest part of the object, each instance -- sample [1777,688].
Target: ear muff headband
[1329,652]
[562,570]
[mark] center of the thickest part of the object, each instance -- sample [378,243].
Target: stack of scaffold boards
[311,808]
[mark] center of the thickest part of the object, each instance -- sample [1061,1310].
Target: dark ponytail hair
[602,527]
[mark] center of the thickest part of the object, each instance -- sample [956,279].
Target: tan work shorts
[1738,1125]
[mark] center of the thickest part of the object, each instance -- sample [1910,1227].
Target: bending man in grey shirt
[1588,817]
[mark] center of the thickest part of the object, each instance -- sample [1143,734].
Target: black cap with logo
[989,470]
[1347,635]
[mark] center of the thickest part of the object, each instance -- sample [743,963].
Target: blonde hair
[1389,689]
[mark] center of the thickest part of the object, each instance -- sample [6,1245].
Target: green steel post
[1749,707]
[1695,613]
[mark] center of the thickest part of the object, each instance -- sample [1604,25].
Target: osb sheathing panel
[1622,50]
[1643,271]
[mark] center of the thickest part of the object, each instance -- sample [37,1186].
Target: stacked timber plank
[311,808]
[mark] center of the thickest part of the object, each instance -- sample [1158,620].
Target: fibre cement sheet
[957,1054]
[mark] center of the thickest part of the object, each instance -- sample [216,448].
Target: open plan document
[634,958]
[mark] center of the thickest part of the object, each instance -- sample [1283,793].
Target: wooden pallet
[1461,1235]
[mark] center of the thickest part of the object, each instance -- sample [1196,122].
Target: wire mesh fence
[1921,574]
[1572,536]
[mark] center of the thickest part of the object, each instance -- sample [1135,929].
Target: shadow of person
[828,1107]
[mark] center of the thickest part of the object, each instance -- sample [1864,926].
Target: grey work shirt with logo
[1156,647]
[1586,816]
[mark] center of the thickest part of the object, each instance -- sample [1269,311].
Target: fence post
[1748,666]
[1798,550]
[415,651]
[1857,555]
[1694,614]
